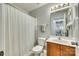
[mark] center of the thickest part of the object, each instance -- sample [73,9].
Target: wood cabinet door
[53,49]
[67,51]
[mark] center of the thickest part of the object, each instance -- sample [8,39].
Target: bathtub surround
[18,30]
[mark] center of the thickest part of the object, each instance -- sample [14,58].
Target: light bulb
[61,5]
[57,6]
[66,4]
[52,8]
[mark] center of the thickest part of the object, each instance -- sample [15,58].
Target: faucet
[59,38]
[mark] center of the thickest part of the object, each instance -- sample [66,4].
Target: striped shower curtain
[19,31]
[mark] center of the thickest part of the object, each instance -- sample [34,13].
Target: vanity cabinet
[54,49]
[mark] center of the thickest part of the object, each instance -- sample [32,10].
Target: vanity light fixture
[52,8]
[69,12]
[56,7]
[59,6]
[67,4]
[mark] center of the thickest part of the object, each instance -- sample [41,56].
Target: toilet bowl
[39,48]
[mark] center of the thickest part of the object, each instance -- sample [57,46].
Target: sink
[62,41]
[65,41]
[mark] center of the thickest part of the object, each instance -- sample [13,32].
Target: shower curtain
[19,31]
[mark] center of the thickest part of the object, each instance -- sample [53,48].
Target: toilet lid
[38,48]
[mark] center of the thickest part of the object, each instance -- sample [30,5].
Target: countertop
[62,42]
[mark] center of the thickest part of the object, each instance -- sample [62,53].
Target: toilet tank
[41,41]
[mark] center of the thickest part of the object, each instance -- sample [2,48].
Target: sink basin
[62,41]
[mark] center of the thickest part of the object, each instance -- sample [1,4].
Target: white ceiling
[28,6]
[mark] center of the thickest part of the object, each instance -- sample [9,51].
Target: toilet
[39,48]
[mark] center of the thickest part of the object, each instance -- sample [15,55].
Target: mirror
[58,23]
[63,21]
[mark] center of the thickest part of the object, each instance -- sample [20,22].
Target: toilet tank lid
[41,38]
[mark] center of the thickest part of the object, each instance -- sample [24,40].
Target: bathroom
[39,29]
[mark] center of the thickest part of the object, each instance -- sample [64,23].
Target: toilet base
[37,54]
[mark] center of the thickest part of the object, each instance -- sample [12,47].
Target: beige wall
[43,17]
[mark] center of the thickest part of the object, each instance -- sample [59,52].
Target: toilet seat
[37,49]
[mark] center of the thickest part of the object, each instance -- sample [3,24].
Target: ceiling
[28,6]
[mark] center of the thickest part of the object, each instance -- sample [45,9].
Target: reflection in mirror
[58,23]
[64,21]
[58,27]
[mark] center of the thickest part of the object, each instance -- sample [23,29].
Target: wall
[43,16]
